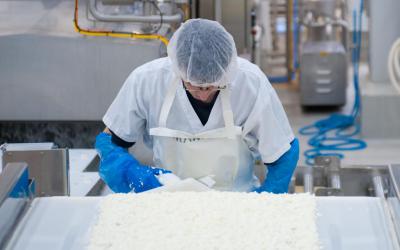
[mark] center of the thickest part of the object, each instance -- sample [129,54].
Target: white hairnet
[203,53]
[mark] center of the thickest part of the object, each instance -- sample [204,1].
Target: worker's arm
[120,170]
[117,140]
[280,172]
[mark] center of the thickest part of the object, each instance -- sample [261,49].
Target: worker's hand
[121,171]
[280,172]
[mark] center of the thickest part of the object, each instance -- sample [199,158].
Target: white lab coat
[255,105]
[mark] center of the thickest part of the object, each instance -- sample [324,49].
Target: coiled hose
[394,64]
[331,135]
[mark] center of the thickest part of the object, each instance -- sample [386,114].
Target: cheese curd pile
[205,220]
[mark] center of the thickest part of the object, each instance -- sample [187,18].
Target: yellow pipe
[289,36]
[114,34]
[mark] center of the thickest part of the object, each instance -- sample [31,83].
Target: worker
[204,112]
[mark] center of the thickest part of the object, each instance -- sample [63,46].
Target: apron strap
[167,104]
[227,112]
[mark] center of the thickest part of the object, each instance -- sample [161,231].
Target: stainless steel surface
[394,209]
[381,181]
[308,181]
[206,9]
[235,18]
[323,67]
[393,233]
[176,18]
[325,8]
[330,178]
[11,211]
[65,225]
[353,223]
[48,168]
[323,74]
[65,69]
[52,73]
[9,179]
[343,223]
[391,211]
[234,15]
[393,197]
[394,171]
[325,20]
[28,146]
[378,186]
[218,10]
[376,97]
[14,198]
[332,165]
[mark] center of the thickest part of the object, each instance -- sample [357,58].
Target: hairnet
[203,53]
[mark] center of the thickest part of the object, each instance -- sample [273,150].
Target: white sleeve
[267,126]
[125,117]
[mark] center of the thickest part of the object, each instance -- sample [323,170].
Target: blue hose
[333,134]
[280,79]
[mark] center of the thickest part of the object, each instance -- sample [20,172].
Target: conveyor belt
[64,223]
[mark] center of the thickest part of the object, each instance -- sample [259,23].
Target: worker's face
[204,94]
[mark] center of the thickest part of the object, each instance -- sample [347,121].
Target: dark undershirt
[202,109]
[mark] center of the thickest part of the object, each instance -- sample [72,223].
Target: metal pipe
[14,198]
[308,181]
[378,186]
[332,166]
[88,32]
[335,180]
[177,18]
[218,11]
[117,2]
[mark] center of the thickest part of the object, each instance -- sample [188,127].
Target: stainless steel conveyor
[355,211]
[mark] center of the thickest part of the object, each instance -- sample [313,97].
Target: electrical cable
[333,134]
[161,17]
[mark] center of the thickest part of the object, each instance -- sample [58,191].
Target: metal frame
[15,196]
[49,168]
[328,178]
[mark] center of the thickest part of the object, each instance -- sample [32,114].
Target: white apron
[221,153]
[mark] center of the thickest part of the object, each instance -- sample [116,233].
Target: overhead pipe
[177,18]
[111,33]
[117,2]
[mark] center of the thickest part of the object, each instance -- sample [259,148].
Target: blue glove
[280,172]
[121,171]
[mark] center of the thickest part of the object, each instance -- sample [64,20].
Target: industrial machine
[323,54]
[62,70]
[358,207]
[63,62]
[377,92]
[49,166]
